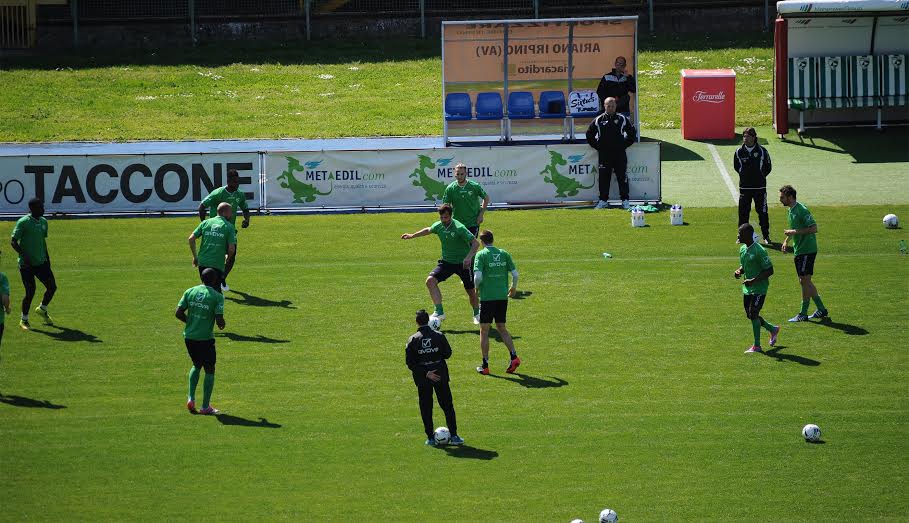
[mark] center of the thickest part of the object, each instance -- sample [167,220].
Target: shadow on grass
[67,334]
[19,401]
[466,451]
[778,356]
[850,330]
[532,382]
[493,334]
[520,295]
[227,419]
[218,54]
[672,152]
[255,301]
[864,145]
[232,336]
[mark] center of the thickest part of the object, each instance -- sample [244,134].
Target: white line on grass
[724,172]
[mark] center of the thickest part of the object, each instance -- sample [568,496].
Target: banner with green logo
[514,175]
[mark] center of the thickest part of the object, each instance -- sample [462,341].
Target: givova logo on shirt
[566,186]
[426,347]
[497,260]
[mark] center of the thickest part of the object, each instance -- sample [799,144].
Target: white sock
[25,317]
[42,307]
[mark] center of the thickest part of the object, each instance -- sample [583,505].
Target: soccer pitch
[634,393]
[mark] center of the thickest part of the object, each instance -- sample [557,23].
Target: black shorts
[444,270]
[1,332]
[493,311]
[475,230]
[43,272]
[753,303]
[202,352]
[804,264]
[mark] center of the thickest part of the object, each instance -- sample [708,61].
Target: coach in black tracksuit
[610,134]
[426,353]
[752,162]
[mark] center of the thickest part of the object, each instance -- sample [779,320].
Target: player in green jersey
[490,275]
[4,301]
[467,198]
[802,230]
[29,240]
[231,194]
[200,308]
[458,249]
[757,269]
[219,240]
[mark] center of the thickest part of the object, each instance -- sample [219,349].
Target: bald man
[219,244]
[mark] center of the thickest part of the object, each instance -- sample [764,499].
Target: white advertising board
[128,183]
[513,175]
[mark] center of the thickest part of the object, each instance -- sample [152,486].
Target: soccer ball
[755,237]
[442,436]
[608,516]
[891,221]
[435,323]
[577,521]
[812,433]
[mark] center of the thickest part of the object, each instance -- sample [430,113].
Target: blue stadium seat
[520,105]
[489,106]
[457,107]
[552,104]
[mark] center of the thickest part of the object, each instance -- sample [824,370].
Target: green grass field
[322,89]
[634,393]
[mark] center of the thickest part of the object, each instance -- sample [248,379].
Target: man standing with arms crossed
[610,134]
[802,230]
[465,197]
[490,275]
[458,249]
[752,162]
[29,240]
[231,194]
[425,356]
[757,268]
[219,240]
[200,308]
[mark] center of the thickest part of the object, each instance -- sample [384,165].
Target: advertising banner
[513,175]
[128,183]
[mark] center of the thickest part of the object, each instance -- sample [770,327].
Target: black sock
[485,363]
[514,354]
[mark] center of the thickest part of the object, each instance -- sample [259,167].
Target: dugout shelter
[840,62]
[530,79]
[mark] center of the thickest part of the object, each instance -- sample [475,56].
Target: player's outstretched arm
[422,232]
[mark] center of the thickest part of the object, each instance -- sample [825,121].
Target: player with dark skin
[233,183]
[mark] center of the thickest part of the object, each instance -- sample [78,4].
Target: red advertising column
[708,104]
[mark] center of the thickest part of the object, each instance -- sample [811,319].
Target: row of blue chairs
[521,106]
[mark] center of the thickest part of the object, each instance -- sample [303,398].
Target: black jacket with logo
[611,134]
[617,86]
[753,167]
[427,350]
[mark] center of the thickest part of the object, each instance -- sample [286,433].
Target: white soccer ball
[577,521]
[755,237]
[608,516]
[812,433]
[442,436]
[891,221]
[435,323]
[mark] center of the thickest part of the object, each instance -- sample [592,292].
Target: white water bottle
[637,217]
[675,215]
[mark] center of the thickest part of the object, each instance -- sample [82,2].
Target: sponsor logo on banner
[312,177]
[566,186]
[73,184]
[432,187]
[710,98]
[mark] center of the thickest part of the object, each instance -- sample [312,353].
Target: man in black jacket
[617,84]
[610,134]
[426,353]
[752,162]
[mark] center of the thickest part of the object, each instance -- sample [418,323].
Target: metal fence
[311,12]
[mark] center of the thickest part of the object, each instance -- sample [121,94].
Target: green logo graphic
[564,185]
[303,192]
[433,188]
